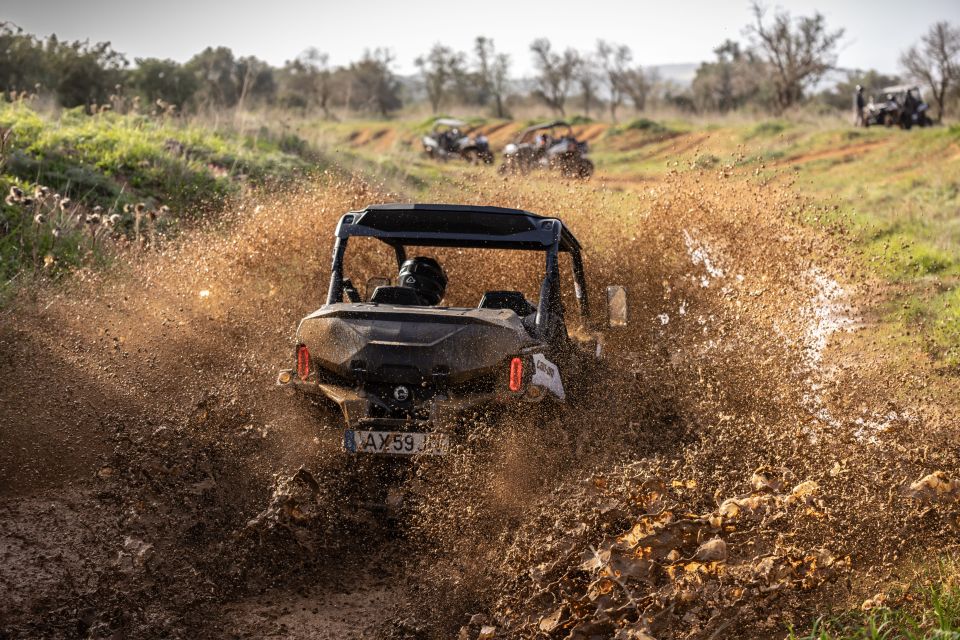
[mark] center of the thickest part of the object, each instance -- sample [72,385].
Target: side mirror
[616,306]
[373,283]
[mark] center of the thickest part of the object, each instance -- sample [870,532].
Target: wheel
[487,157]
[585,169]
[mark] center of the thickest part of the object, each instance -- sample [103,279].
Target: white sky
[658,31]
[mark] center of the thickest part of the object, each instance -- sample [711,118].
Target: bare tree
[556,72]
[440,68]
[936,61]
[589,80]
[798,51]
[638,85]
[493,69]
[615,62]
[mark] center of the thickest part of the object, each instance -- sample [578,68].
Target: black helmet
[426,277]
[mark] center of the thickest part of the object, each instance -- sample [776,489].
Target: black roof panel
[457,225]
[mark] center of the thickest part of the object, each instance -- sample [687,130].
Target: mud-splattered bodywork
[410,366]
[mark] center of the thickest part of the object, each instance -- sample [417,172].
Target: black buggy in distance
[901,106]
[451,138]
[550,145]
[401,368]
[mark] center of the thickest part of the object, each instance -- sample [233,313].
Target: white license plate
[396,442]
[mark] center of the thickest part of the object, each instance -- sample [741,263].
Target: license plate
[395,442]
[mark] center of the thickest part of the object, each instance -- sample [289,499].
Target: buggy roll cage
[467,226]
[450,123]
[556,124]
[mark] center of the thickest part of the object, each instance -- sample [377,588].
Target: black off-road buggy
[901,106]
[451,138]
[401,368]
[551,145]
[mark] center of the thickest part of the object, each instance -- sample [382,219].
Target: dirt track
[148,469]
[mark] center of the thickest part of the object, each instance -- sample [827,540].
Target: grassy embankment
[75,186]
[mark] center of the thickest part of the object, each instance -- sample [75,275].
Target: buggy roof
[448,122]
[900,88]
[546,125]
[540,127]
[456,225]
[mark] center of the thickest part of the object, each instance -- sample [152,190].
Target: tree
[493,71]
[256,81]
[78,72]
[615,62]
[936,61]
[799,52]
[440,68]
[307,81]
[736,78]
[166,80]
[372,83]
[638,85]
[556,72]
[216,74]
[589,80]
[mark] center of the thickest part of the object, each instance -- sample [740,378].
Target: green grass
[767,129]
[642,124]
[113,162]
[928,610]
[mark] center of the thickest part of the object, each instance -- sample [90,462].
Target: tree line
[781,63]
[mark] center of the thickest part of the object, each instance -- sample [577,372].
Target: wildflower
[113,219]
[57,232]
[16,192]
[48,260]
[93,219]
[39,219]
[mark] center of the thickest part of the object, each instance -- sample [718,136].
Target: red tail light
[516,374]
[303,361]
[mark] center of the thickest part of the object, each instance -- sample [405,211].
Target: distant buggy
[451,138]
[901,106]
[550,145]
[401,366]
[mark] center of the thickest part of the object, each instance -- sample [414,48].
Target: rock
[713,550]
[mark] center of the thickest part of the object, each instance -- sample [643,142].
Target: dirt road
[149,471]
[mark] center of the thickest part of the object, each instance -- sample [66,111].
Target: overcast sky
[659,32]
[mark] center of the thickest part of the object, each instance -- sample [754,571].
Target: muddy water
[726,471]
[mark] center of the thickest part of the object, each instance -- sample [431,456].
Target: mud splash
[681,494]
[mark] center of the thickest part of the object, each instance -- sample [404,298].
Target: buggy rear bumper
[358,406]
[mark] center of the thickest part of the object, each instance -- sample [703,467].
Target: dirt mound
[723,467]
